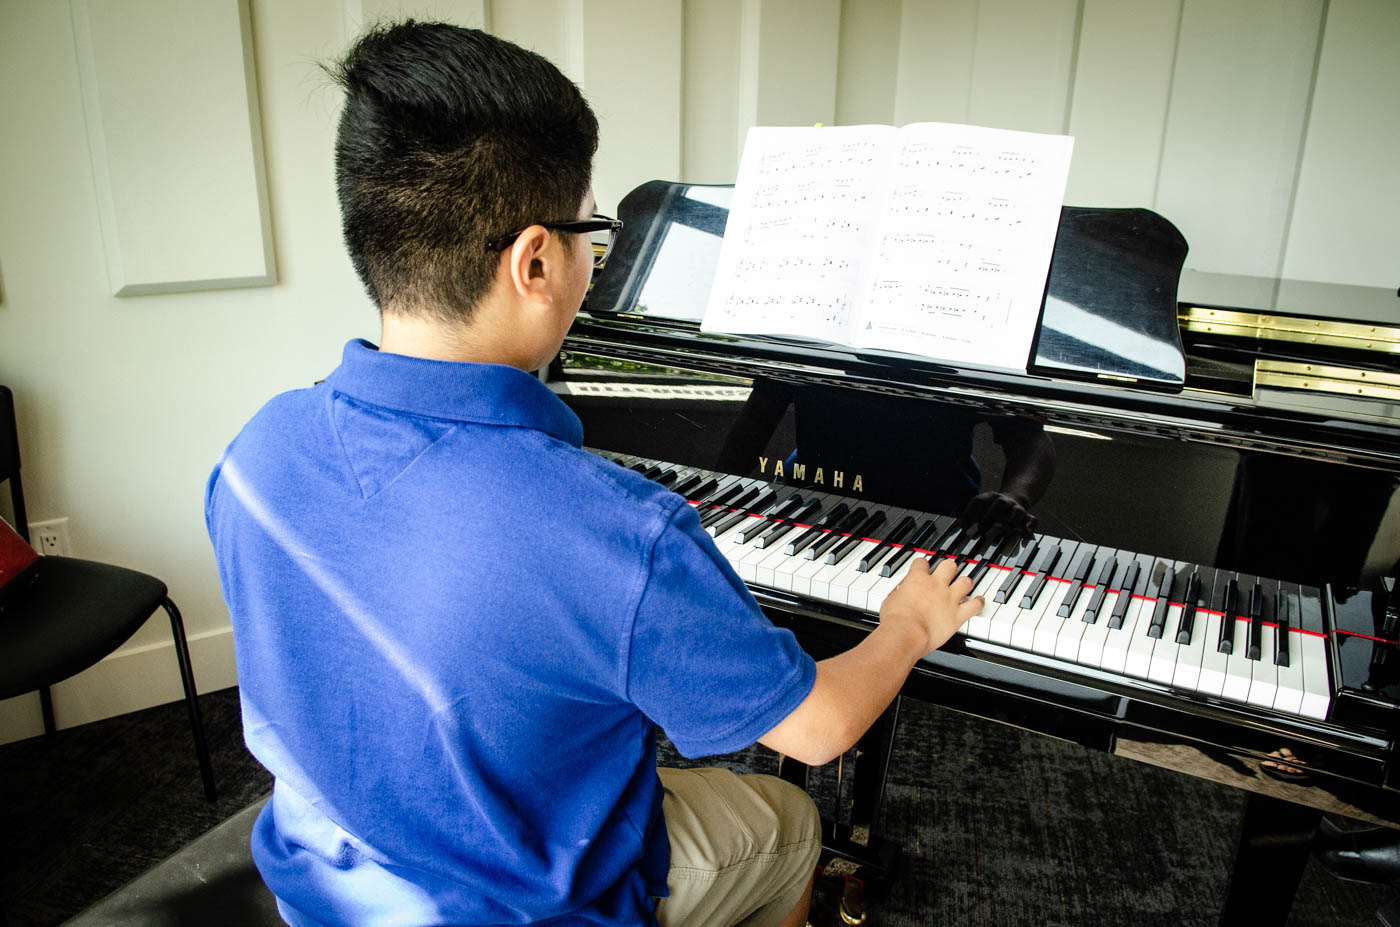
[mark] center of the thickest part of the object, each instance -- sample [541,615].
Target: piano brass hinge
[1299,329]
[1367,384]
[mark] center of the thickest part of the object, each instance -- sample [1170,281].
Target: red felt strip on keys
[1379,640]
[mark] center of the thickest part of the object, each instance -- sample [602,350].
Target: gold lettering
[857,486]
[799,471]
[838,479]
[777,469]
[763,465]
[818,480]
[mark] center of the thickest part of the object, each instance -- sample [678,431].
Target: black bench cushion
[212,882]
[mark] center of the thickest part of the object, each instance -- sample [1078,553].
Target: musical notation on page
[932,239]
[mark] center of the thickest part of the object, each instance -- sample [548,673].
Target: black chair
[61,615]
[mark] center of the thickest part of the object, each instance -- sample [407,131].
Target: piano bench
[211,882]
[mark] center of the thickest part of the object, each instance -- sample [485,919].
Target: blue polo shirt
[455,632]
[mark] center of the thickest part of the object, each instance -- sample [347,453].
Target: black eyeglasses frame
[576,226]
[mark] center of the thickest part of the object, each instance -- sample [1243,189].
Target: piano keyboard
[1083,608]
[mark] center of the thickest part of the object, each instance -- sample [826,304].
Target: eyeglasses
[603,232]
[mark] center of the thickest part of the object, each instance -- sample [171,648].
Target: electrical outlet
[51,537]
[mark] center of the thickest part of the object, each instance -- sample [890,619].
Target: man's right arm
[853,688]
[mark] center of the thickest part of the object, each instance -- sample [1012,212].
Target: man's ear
[529,264]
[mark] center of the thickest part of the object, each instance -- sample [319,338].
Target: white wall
[1266,129]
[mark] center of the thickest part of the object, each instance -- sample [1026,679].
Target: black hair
[450,138]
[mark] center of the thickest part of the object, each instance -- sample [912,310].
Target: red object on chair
[15,554]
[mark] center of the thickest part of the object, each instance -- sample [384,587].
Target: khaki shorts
[743,848]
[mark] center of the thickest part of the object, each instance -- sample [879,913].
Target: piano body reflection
[1208,584]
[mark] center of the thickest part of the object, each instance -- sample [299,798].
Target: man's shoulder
[616,490]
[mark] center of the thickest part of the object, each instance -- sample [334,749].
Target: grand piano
[1208,580]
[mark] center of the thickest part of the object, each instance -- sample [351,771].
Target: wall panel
[933,82]
[1235,125]
[175,139]
[1022,64]
[1343,227]
[1118,110]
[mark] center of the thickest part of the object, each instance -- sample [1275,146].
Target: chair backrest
[9,459]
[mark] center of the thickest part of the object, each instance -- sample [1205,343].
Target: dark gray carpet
[998,826]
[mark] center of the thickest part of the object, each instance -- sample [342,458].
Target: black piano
[1208,581]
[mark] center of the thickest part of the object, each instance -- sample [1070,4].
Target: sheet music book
[933,239]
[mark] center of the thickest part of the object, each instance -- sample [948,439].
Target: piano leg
[850,851]
[872,768]
[1275,842]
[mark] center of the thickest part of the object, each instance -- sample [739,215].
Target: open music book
[932,239]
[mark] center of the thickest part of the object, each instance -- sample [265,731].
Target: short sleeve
[704,662]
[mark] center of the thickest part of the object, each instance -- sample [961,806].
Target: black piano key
[804,512]
[1229,606]
[944,539]
[1282,622]
[653,471]
[884,548]
[917,540]
[847,525]
[722,498]
[774,510]
[823,525]
[695,486]
[723,519]
[863,531]
[669,477]
[958,541]
[1105,576]
[1042,571]
[1256,622]
[1017,569]
[1126,589]
[1076,583]
[997,547]
[736,510]
[1187,624]
[1166,575]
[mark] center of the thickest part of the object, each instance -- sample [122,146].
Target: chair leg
[46,708]
[182,653]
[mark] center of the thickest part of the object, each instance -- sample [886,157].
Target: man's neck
[434,339]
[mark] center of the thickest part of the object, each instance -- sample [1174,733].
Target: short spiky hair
[450,138]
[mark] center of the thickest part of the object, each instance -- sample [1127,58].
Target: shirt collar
[490,394]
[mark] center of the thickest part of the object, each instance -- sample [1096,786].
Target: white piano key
[1190,657]
[1047,629]
[980,625]
[1317,687]
[1004,619]
[1070,639]
[1095,637]
[1289,696]
[1119,641]
[1213,663]
[1238,669]
[801,577]
[1023,631]
[1140,646]
[1263,675]
[1161,666]
[774,569]
[831,583]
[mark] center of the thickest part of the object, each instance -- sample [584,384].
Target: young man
[456,631]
